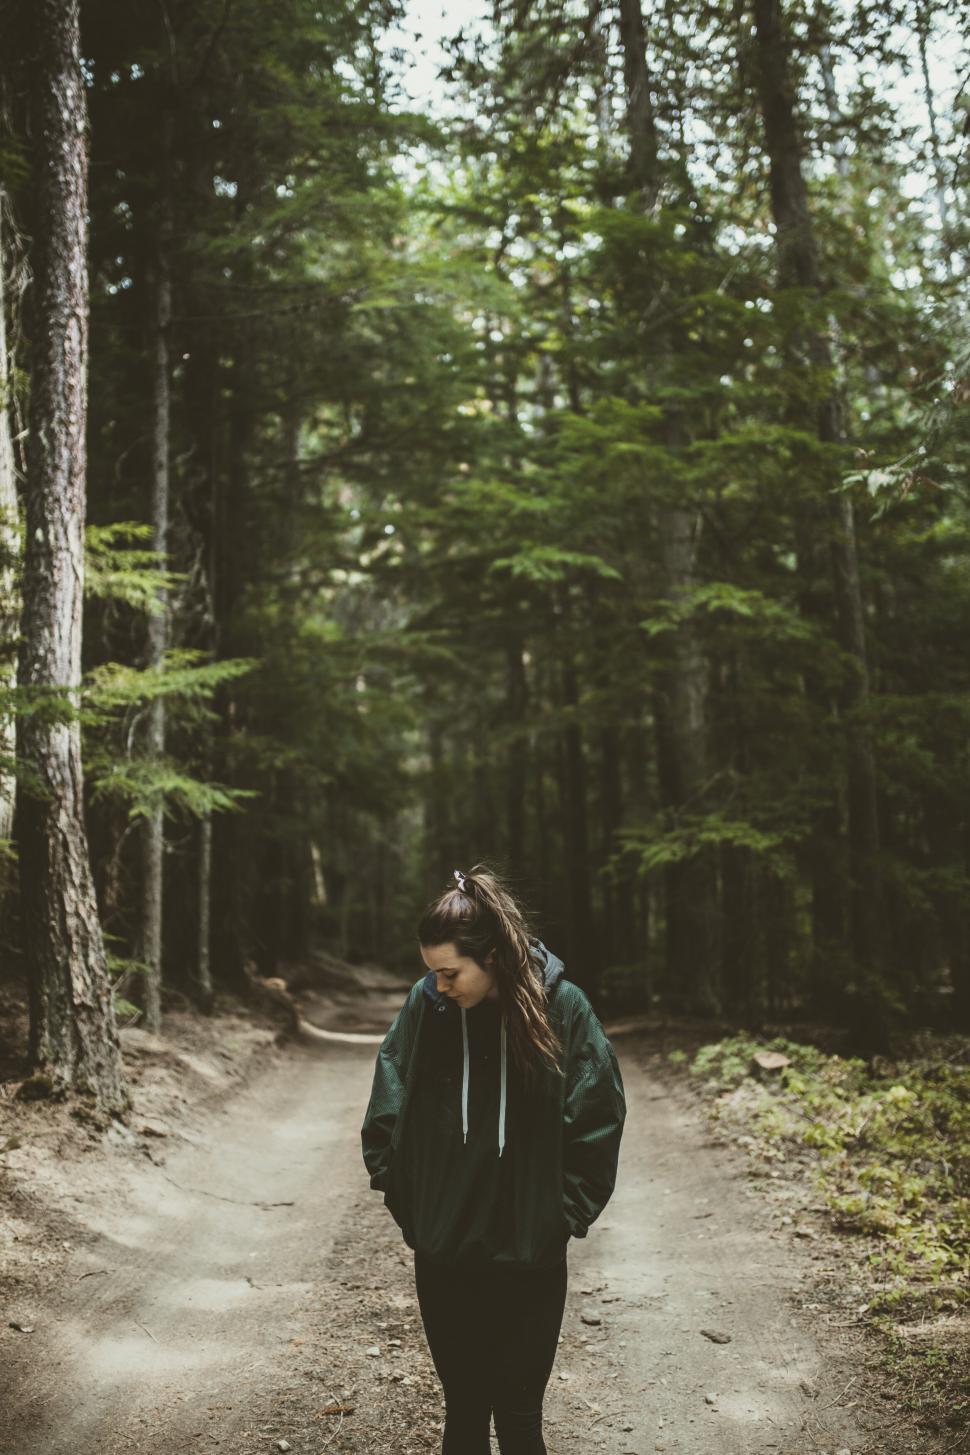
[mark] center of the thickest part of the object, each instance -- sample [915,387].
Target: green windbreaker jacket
[475,1169]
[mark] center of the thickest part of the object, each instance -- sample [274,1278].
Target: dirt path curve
[235,1296]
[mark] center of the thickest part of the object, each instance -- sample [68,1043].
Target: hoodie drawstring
[464,1076]
[503,1097]
[501,1110]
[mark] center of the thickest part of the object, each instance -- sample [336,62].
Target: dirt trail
[228,1299]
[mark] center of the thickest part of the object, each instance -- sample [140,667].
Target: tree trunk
[542,875]
[482,835]
[202,411]
[742,875]
[437,825]
[73,1037]
[682,709]
[923,24]
[153,841]
[798,266]
[232,849]
[203,968]
[584,953]
[10,546]
[517,757]
[614,945]
[682,701]
[640,120]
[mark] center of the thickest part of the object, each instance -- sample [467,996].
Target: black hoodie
[475,1167]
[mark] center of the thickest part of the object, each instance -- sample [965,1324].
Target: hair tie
[461,880]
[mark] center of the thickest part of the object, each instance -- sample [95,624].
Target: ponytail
[480,916]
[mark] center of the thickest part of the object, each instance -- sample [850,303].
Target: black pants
[492,1334]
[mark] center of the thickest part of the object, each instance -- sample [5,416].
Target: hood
[551,968]
[550,965]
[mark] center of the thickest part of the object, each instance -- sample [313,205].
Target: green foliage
[543,565]
[891,1144]
[129,573]
[187,674]
[43,704]
[655,846]
[770,618]
[186,679]
[144,785]
[121,970]
[940,449]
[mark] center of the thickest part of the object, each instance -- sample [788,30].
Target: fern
[133,574]
[655,846]
[147,784]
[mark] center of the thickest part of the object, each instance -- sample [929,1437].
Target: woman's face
[459,976]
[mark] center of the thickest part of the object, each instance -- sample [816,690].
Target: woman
[493,1130]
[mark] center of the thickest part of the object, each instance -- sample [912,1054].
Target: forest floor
[218,1273]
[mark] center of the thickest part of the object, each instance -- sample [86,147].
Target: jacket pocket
[391,1205]
[394,1202]
[390,1188]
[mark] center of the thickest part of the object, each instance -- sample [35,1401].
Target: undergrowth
[888,1145]
[892,1144]
[889,1148]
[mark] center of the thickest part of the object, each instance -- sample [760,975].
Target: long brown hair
[485,917]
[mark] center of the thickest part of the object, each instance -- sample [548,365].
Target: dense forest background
[570,475]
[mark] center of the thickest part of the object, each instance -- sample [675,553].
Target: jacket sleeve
[387,1090]
[595,1110]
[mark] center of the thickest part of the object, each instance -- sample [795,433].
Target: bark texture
[73,1034]
[10,546]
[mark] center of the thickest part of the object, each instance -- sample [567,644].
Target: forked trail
[253,1290]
